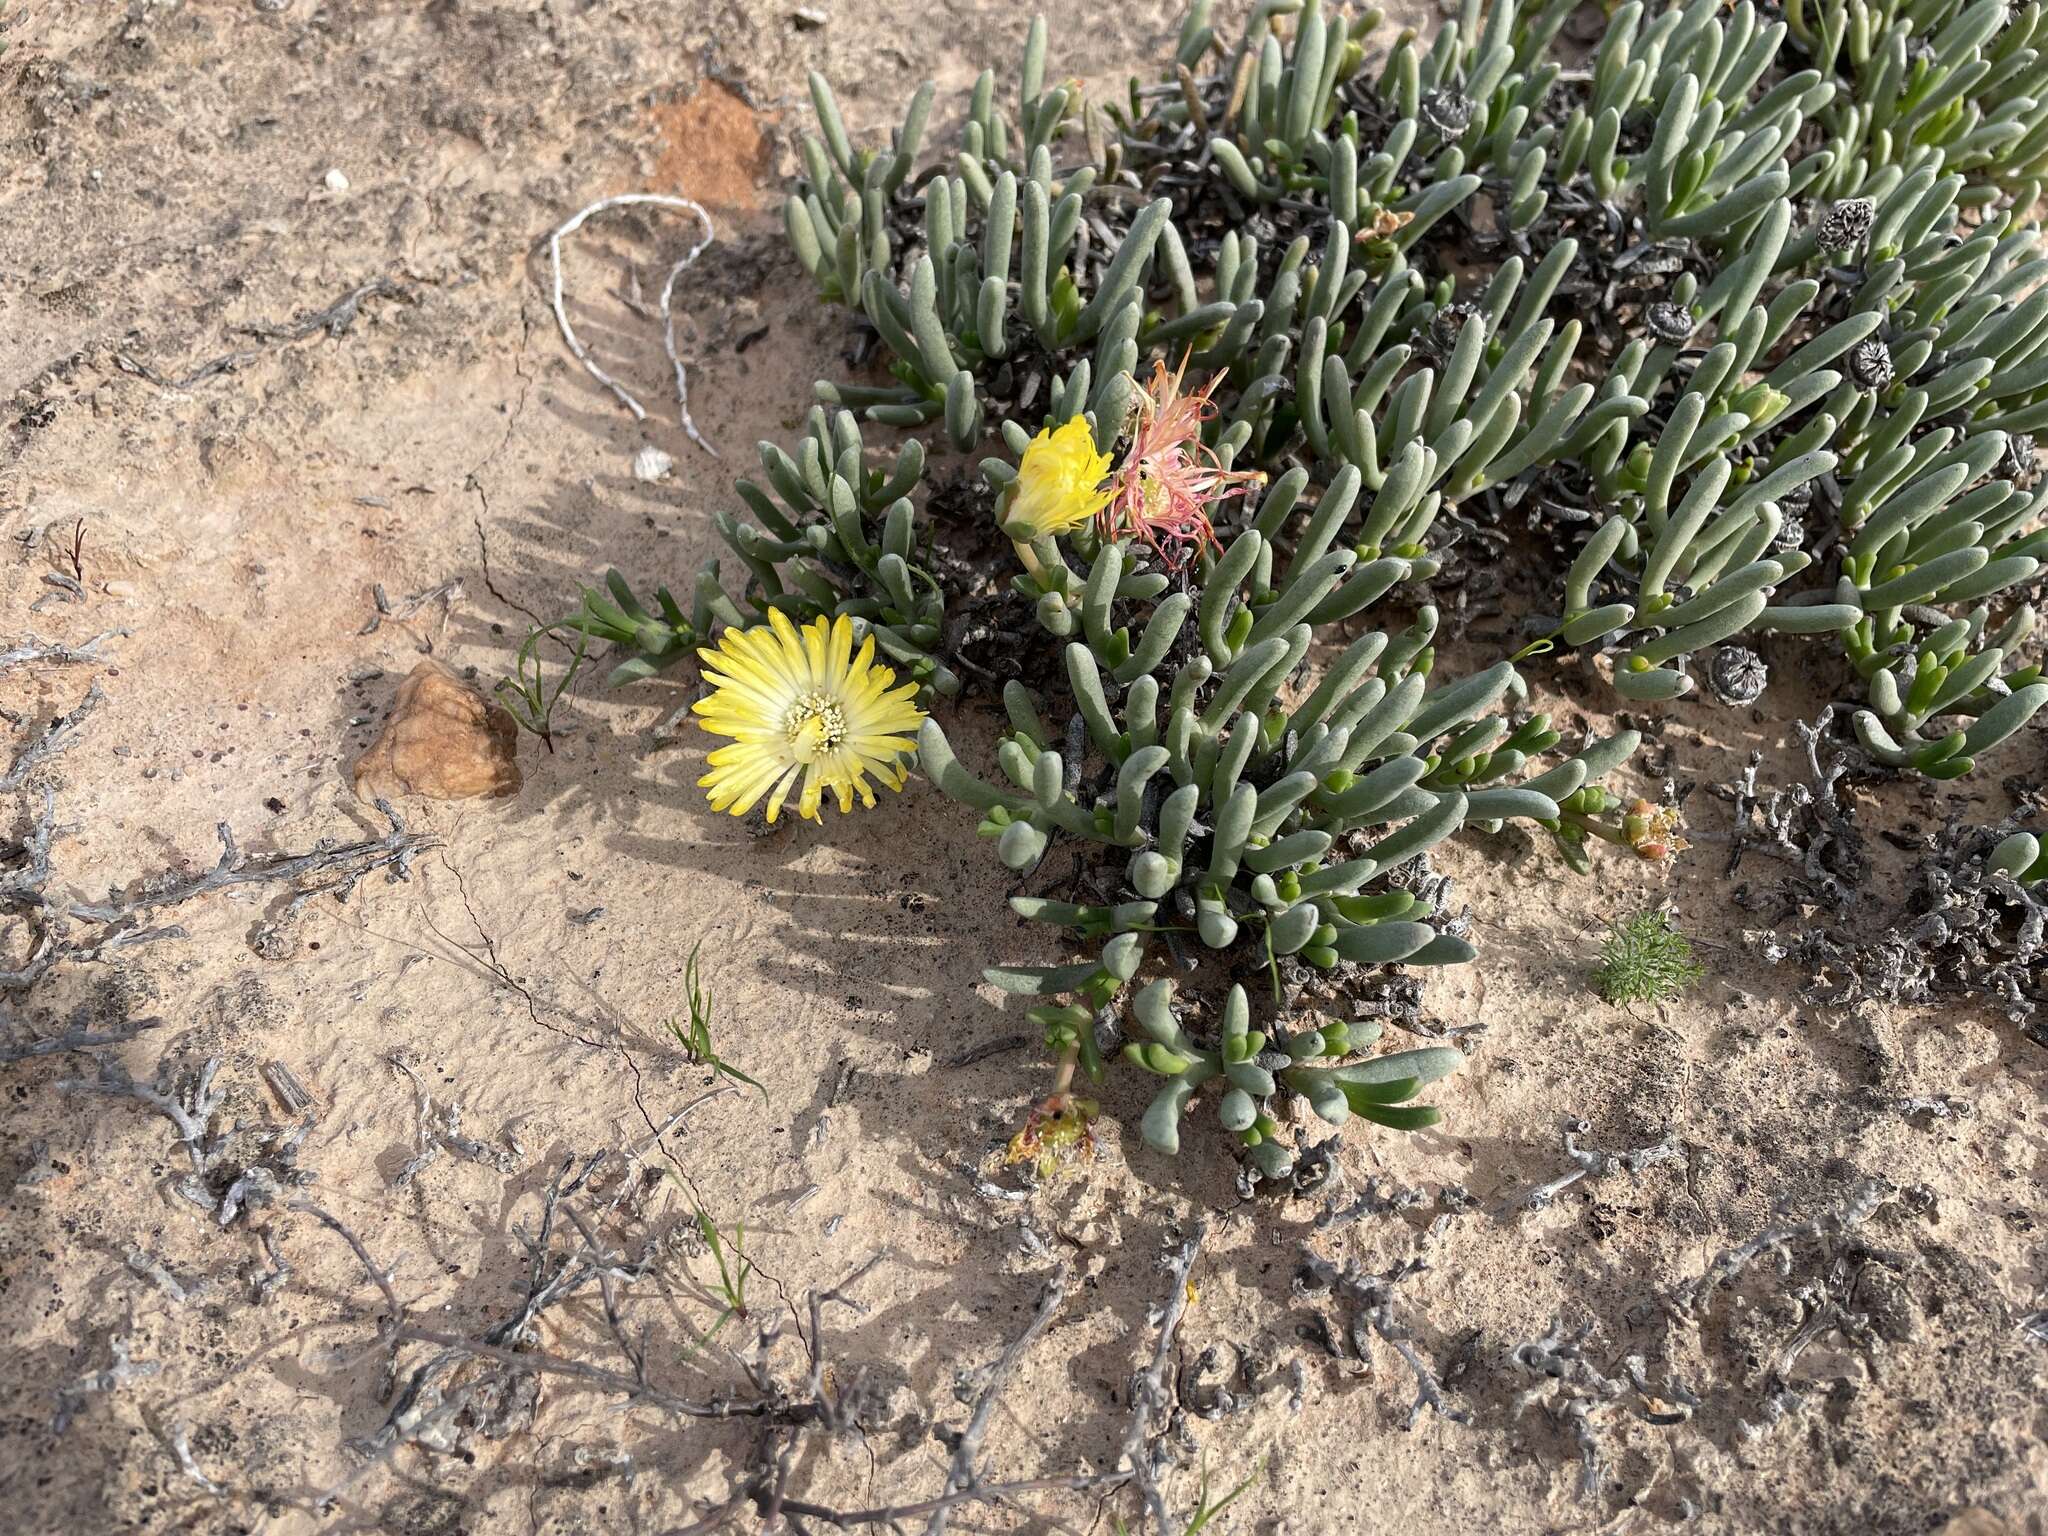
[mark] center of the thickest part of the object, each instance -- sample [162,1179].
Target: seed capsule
[1846,224]
[1737,675]
[1447,323]
[1670,323]
[1792,531]
[1448,112]
[1870,364]
[2018,463]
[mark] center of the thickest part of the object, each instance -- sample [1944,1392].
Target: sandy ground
[164,174]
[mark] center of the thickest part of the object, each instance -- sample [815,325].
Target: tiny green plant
[734,1267]
[695,1037]
[528,698]
[1205,1512]
[734,1270]
[1645,960]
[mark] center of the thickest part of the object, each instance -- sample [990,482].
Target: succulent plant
[1748,315]
[832,537]
[1955,78]
[1227,810]
[988,282]
[2020,857]
[1917,564]
[1249,1069]
[1849,424]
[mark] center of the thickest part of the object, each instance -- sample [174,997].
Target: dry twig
[343,867]
[1591,1163]
[59,738]
[71,1398]
[334,321]
[962,1475]
[78,1038]
[1865,1200]
[1152,1388]
[668,322]
[1372,1296]
[30,649]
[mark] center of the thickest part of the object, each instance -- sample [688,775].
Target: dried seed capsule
[1737,675]
[1870,364]
[1446,323]
[1670,323]
[2018,463]
[1792,529]
[1449,112]
[1845,224]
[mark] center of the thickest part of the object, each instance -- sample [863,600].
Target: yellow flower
[1060,482]
[800,702]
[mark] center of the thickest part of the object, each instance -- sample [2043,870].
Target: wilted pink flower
[1169,477]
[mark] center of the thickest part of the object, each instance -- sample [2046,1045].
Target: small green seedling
[734,1267]
[1204,1510]
[1645,960]
[529,700]
[695,1038]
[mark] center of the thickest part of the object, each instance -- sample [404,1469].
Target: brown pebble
[443,740]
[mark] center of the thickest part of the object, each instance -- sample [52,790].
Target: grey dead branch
[447,594]
[334,321]
[236,1167]
[963,1473]
[1370,1299]
[596,1242]
[439,1129]
[1588,1163]
[48,930]
[32,649]
[120,1372]
[449,1389]
[21,1043]
[1152,1389]
[598,1245]
[58,739]
[1576,1394]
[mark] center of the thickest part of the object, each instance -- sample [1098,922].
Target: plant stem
[1063,1078]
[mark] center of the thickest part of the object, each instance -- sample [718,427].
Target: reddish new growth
[1653,830]
[1169,477]
[1059,1129]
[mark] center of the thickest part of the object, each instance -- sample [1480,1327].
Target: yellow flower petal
[804,715]
[1059,481]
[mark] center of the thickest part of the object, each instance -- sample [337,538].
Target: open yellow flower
[1060,482]
[799,702]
